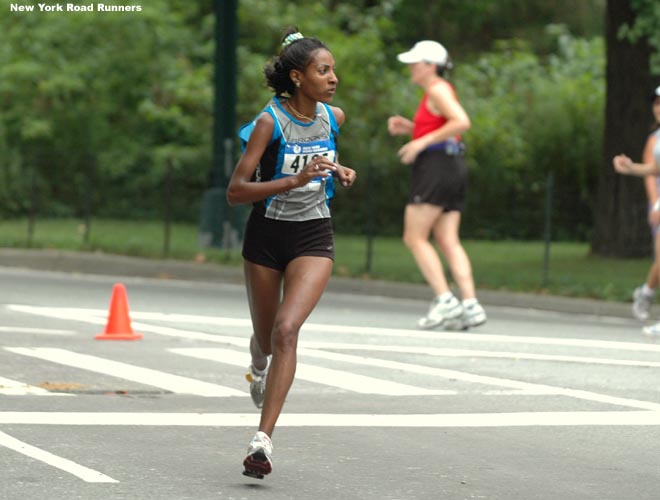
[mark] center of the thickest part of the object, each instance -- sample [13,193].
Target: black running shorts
[439,179]
[274,243]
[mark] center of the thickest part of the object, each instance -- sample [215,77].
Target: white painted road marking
[97,316]
[88,315]
[325,376]
[45,331]
[521,419]
[9,387]
[482,379]
[145,376]
[477,353]
[328,351]
[84,473]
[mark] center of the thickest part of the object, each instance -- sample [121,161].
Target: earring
[298,84]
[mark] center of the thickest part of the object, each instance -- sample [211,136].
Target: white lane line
[98,316]
[145,376]
[78,314]
[45,331]
[484,338]
[329,377]
[475,353]
[351,383]
[71,313]
[86,316]
[521,419]
[441,352]
[482,379]
[9,387]
[84,473]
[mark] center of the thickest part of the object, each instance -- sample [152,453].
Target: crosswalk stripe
[319,375]
[84,473]
[351,383]
[9,387]
[145,376]
[45,331]
[476,353]
[483,379]
[84,315]
[97,316]
[430,420]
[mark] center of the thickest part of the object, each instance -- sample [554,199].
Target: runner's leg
[418,222]
[264,286]
[305,279]
[445,232]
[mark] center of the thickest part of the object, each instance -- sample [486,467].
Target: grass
[509,265]
[498,265]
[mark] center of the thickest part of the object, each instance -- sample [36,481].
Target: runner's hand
[318,167]
[346,175]
[623,164]
[408,153]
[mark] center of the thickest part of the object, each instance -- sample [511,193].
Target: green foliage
[468,28]
[524,128]
[646,26]
[101,89]
[115,110]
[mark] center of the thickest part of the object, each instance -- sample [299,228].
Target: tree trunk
[620,228]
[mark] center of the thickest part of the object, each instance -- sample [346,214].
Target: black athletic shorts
[274,243]
[439,179]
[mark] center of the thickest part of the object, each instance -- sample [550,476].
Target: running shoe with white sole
[257,384]
[641,305]
[473,315]
[454,325]
[440,311]
[258,462]
[652,331]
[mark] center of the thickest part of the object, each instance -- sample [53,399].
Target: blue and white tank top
[292,145]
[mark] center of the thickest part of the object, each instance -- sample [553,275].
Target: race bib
[297,155]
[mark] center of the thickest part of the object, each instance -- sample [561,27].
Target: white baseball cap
[425,51]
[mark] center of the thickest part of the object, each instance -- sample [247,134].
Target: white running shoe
[473,315]
[454,325]
[440,311]
[641,304]
[257,384]
[258,462]
[652,331]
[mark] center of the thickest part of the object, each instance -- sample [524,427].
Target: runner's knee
[285,335]
[411,240]
[448,244]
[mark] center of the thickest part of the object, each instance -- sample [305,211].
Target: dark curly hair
[442,69]
[296,55]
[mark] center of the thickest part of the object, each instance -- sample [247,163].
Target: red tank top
[425,122]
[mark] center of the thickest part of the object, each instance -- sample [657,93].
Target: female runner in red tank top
[438,188]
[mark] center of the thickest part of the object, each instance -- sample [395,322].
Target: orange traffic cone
[119,323]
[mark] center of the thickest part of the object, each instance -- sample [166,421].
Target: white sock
[444,297]
[261,372]
[648,291]
[469,302]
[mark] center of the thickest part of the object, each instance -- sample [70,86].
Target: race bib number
[296,156]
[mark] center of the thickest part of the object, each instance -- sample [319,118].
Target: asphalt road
[536,404]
